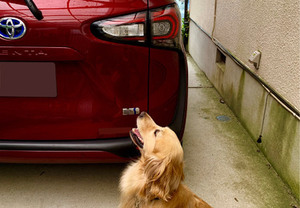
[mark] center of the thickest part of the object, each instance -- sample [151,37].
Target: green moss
[234,99]
[280,144]
[280,137]
[240,94]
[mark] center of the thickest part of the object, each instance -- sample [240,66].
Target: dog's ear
[163,178]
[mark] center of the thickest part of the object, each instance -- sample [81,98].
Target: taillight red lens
[165,27]
[165,24]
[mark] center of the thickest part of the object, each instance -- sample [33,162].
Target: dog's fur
[155,179]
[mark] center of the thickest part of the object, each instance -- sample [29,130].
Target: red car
[74,75]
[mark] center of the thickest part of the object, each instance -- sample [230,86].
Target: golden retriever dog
[155,179]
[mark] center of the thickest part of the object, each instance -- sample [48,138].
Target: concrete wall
[271,26]
[241,28]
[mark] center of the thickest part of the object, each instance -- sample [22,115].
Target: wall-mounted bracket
[255,59]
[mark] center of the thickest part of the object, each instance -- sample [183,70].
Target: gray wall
[242,27]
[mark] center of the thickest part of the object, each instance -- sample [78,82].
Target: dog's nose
[143,114]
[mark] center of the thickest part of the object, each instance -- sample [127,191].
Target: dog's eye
[156,132]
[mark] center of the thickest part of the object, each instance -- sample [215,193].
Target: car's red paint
[95,79]
[163,85]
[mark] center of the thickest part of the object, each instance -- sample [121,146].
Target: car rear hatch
[59,82]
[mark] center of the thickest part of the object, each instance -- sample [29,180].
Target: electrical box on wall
[255,59]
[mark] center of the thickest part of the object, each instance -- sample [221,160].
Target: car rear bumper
[75,151]
[59,157]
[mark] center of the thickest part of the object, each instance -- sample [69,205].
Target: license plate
[27,79]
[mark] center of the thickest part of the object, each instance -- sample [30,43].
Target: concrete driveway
[59,185]
[223,166]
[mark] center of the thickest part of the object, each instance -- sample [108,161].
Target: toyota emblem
[12,28]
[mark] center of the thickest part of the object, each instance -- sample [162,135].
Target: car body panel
[163,85]
[95,80]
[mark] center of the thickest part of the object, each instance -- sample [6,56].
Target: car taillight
[165,23]
[132,28]
[124,28]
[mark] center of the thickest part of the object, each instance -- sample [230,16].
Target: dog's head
[162,158]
